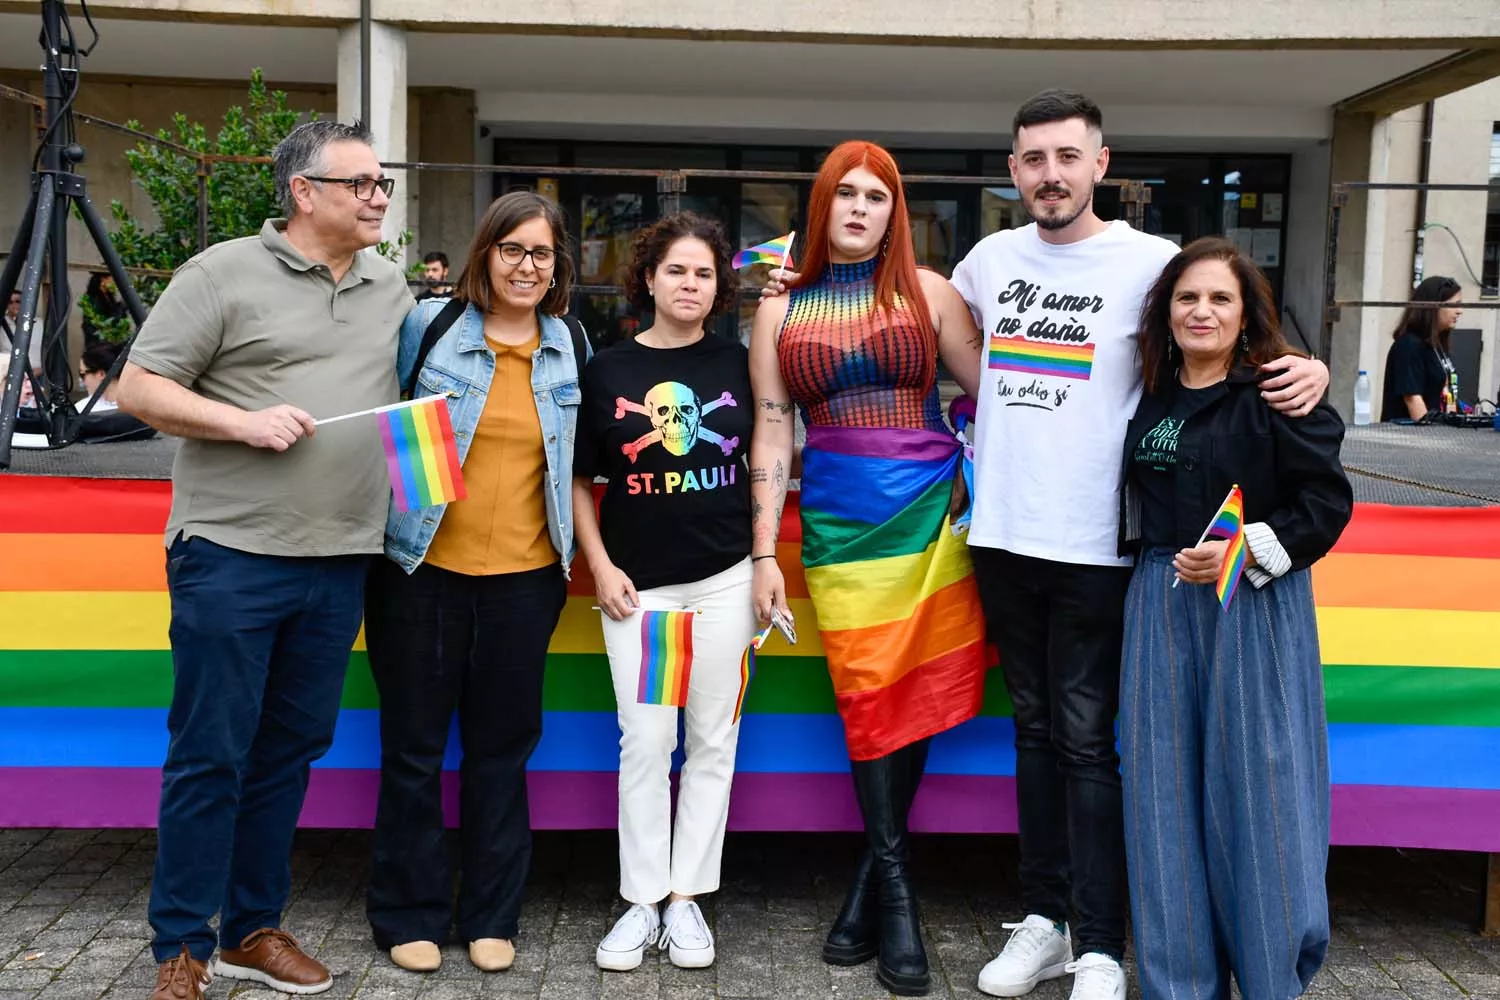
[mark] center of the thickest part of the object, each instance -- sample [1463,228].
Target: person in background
[272,525]
[671,406]
[1419,374]
[435,274]
[104,304]
[1223,733]
[460,613]
[92,367]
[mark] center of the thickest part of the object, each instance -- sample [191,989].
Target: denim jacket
[461,365]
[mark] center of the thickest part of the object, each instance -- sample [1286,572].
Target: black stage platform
[1409,466]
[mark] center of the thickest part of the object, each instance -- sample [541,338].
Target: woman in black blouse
[1224,744]
[1418,367]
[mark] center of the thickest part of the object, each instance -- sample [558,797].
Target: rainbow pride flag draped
[777,252]
[898,609]
[421,454]
[1412,675]
[1229,523]
[666,658]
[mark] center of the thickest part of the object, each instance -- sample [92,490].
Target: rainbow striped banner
[666,658]
[1040,357]
[421,453]
[1412,675]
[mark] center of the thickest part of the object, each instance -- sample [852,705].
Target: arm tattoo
[778,478]
[775,407]
[758,476]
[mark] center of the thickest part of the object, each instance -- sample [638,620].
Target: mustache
[1047,189]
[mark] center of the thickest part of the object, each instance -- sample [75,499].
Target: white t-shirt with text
[1061,379]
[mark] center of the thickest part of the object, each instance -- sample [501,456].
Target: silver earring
[553,283]
[1169,348]
[1244,342]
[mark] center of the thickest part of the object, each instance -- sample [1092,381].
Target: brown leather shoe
[272,956]
[181,978]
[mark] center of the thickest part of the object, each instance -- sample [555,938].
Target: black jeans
[440,642]
[1058,627]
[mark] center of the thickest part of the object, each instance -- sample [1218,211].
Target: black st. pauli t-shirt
[670,429]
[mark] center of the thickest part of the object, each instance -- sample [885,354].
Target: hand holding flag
[420,451]
[1228,523]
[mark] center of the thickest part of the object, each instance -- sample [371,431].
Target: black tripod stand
[41,248]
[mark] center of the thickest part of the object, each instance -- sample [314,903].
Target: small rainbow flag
[1229,523]
[777,251]
[666,658]
[747,668]
[1035,357]
[421,454]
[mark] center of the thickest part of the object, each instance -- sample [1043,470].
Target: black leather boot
[886,787]
[855,936]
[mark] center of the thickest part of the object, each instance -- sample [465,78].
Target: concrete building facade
[1237,120]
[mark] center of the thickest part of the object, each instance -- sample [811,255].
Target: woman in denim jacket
[460,614]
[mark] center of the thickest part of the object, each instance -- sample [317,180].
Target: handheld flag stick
[1212,523]
[374,409]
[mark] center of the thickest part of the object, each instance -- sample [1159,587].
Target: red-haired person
[856,345]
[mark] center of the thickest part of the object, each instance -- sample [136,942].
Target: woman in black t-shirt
[1418,368]
[666,418]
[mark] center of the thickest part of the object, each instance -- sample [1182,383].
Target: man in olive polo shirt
[272,525]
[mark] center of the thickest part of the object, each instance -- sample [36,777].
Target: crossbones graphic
[676,416]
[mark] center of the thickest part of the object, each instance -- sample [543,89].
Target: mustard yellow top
[501,527]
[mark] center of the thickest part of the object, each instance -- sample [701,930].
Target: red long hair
[896,267]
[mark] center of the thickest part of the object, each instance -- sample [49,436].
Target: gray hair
[301,152]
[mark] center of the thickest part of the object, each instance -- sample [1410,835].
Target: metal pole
[203,168]
[365,15]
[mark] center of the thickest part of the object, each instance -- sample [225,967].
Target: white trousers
[657,858]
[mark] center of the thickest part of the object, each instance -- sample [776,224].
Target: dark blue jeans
[1058,627]
[260,645]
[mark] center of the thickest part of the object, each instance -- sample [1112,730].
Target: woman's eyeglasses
[363,187]
[514,253]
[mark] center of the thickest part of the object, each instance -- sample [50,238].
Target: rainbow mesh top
[847,365]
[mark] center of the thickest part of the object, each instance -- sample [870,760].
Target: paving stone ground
[73,922]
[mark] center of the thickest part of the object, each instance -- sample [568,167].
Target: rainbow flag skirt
[898,610]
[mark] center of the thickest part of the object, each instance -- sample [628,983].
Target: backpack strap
[581,349]
[446,317]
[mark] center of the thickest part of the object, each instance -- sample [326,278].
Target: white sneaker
[1096,976]
[686,937]
[1036,952]
[625,945]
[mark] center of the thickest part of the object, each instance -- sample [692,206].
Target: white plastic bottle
[1362,399]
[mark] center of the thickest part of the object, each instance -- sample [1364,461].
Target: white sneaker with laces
[685,936]
[1036,952]
[625,945]
[1096,976]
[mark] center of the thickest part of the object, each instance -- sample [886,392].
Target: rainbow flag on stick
[747,668]
[1229,523]
[666,658]
[777,251]
[421,454]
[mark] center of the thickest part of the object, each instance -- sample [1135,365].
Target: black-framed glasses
[363,187]
[514,253]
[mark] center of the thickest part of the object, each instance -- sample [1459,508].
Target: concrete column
[446,133]
[1375,243]
[388,99]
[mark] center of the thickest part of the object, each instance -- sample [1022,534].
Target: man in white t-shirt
[1059,301]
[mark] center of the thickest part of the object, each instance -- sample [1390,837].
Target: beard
[1055,222]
